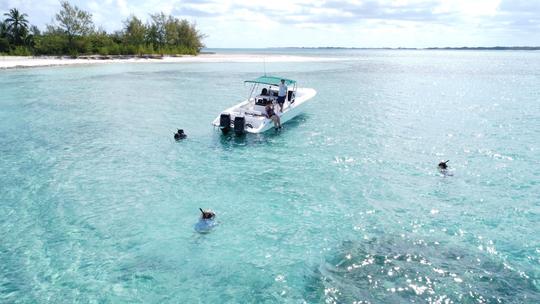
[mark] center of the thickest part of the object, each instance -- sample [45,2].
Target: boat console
[263,100]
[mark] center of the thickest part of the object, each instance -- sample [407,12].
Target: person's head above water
[180,134]
[207,214]
[443,165]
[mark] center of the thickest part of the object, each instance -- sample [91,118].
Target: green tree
[73,22]
[189,36]
[157,31]
[134,31]
[4,43]
[171,35]
[73,32]
[3,29]
[32,34]
[103,43]
[17,26]
[51,43]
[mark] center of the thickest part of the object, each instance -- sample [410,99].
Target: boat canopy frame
[271,81]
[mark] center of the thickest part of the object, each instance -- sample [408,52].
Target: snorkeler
[443,168]
[443,165]
[180,135]
[206,222]
[207,215]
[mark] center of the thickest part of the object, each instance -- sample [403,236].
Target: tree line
[74,33]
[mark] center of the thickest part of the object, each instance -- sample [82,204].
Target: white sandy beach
[11,62]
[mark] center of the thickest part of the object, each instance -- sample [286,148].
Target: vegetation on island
[74,33]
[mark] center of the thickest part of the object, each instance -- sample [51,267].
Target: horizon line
[389,48]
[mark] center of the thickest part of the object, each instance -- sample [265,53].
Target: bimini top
[271,80]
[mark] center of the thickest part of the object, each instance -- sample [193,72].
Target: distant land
[465,48]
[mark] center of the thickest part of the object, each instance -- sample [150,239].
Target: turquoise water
[98,202]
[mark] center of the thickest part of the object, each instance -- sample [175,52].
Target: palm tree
[16,25]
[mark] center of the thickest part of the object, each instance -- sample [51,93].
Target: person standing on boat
[282,94]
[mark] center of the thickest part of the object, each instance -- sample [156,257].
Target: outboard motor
[239,125]
[290,96]
[225,123]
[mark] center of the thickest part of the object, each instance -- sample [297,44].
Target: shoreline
[19,62]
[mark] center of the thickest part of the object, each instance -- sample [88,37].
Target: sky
[320,23]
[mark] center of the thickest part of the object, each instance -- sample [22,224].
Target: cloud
[194,12]
[300,12]
[37,15]
[231,22]
[519,14]
[378,10]
[201,8]
[520,6]
[322,12]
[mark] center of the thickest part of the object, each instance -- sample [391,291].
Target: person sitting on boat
[264,92]
[282,94]
[270,113]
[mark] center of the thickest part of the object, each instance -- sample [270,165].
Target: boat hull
[255,120]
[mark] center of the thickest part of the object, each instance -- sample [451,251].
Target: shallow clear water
[98,202]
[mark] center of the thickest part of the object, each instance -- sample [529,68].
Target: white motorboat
[251,116]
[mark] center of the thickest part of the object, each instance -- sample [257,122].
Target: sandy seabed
[11,62]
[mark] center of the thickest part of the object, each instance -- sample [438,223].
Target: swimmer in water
[207,214]
[443,165]
[180,135]
[443,168]
[206,222]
